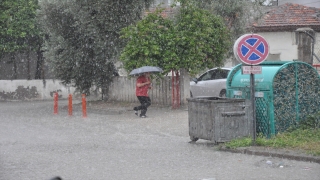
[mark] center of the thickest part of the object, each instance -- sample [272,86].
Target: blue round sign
[251,49]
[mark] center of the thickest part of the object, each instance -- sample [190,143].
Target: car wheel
[222,93]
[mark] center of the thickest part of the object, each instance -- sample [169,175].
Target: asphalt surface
[113,143]
[119,108]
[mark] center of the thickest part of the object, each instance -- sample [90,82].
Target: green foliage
[233,13]
[237,15]
[17,24]
[305,137]
[235,143]
[302,139]
[202,40]
[150,42]
[311,122]
[84,38]
[195,39]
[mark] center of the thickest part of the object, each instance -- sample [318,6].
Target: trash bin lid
[263,81]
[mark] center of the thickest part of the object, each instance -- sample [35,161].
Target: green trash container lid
[263,81]
[290,92]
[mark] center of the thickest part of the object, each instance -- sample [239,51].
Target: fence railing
[123,89]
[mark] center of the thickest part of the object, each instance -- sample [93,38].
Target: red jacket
[142,91]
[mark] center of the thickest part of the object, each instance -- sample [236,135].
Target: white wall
[121,89]
[37,90]
[282,43]
[310,3]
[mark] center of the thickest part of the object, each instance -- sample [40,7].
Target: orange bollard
[55,103]
[84,106]
[70,105]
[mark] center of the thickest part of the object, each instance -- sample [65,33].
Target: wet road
[37,145]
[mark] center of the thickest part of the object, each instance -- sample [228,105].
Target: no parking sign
[251,49]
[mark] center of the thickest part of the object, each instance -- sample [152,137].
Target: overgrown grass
[303,137]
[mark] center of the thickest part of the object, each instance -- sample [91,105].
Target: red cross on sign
[251,49]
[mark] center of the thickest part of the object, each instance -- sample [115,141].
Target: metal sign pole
[252,92]
[251,49]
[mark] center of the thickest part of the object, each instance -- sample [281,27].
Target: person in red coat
[143,84]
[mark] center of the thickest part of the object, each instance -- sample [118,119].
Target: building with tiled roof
[280,27]
[289,17]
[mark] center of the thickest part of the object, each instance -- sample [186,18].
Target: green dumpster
[285,93]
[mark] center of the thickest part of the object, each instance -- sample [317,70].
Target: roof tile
[288,17]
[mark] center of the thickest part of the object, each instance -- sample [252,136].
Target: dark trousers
[145,103]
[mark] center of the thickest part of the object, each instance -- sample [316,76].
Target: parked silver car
[212,83]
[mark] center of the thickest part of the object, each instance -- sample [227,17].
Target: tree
[150,42]
[84,38]
[203,38]
[18,29]
[237,15]
[195,39]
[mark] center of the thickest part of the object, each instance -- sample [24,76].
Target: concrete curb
[285,154]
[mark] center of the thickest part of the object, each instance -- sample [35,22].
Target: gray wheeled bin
[219,119]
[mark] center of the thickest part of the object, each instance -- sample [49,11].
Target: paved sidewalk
[101,107]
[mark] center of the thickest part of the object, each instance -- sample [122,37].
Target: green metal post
[297,91]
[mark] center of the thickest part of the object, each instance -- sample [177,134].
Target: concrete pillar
[304,39]
[184,86]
